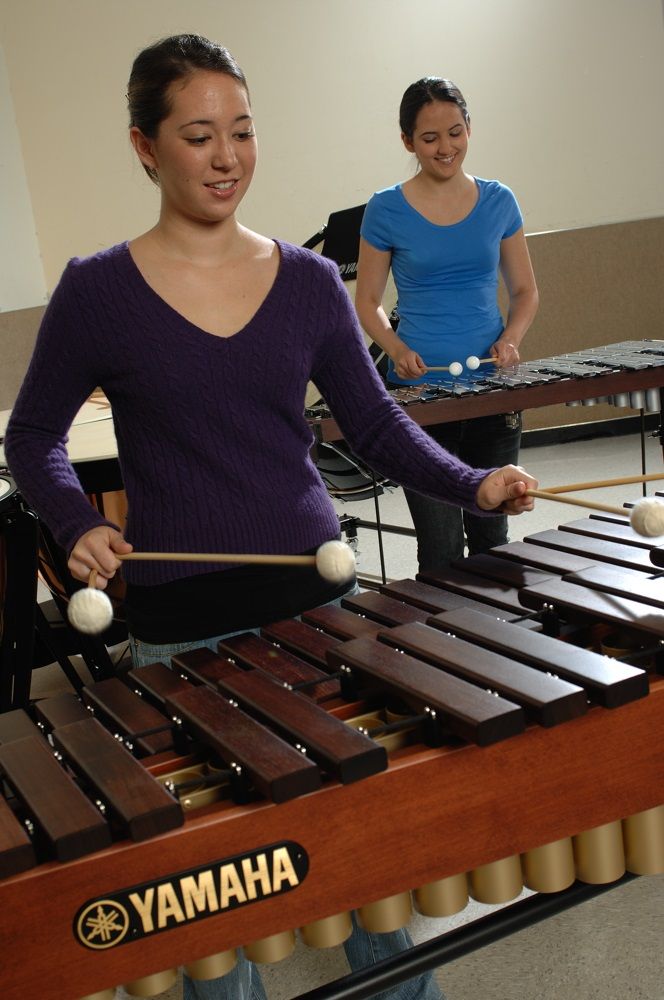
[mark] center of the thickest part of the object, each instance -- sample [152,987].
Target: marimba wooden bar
[587,768]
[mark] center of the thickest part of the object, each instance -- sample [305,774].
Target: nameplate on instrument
[184,897]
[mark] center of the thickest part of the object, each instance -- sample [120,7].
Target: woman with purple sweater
[204,336]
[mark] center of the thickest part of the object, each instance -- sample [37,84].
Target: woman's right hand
[98,549]
[408,364]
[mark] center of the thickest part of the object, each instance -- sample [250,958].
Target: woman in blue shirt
[446,235]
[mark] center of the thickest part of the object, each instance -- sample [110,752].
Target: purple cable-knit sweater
[212,440]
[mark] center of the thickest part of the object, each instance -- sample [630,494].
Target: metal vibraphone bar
[628,374]
[442,759]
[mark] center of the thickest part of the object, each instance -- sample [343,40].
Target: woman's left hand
[504,491]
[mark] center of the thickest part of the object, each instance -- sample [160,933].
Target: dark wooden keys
[276,770]
[468,711]
[202,666]
[339,622]
[480,589]
[138,803]
[435,600]
[605,681]
[546,700]
[16,725]
[251,650]
[60,710]
[512,574]
[382,609]
[338,748]
[65,820]
[634,586]
[594,549]
[156,681]
[545,558]
[301,639]
[580,604]
[114,702]
[16,851]
[609,530]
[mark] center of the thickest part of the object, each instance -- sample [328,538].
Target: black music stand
[18,602]
[341,240]
[341,243]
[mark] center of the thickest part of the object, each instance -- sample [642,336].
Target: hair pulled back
[158,66]
[424,91]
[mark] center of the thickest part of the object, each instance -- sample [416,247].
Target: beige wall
[565,96]
[21,272]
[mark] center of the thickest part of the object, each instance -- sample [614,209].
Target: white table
[91,436]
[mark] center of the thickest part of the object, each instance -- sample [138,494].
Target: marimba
[515,754]
[628,374]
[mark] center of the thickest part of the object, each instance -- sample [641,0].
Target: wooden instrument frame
[450,811]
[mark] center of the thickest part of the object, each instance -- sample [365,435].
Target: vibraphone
[628,374]
[524,757]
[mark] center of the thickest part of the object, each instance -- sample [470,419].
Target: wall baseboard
[591,429]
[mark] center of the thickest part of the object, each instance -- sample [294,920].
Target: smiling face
[204,152]
[439,139]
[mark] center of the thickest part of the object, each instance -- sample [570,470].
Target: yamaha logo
[102,924]
[184,897]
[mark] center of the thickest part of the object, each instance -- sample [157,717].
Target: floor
[609,948]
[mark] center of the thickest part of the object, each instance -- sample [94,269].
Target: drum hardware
[18,596]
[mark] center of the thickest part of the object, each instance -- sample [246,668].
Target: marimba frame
[454,810]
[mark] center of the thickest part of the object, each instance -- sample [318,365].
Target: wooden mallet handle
[577,502]
[222,557]
[599,484]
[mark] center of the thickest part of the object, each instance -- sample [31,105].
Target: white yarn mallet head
[647,517]
[335,561]
[455,369]
[473,362]
[90,610]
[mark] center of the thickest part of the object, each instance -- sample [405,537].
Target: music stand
[341,240]
[341,243]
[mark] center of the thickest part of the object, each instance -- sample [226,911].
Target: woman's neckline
[171,311]
[443,225]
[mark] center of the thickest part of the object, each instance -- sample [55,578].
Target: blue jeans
[362,949]
[442,530]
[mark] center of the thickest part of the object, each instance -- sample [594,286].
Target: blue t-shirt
[446,276]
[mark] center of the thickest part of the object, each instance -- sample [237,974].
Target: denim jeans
[362,949]
[443,530]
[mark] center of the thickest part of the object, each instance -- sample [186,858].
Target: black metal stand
[457,943]
[91,648]
[19,529]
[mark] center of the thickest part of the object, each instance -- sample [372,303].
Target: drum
[7,492]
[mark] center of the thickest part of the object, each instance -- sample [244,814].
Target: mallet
[90,610]
[646,516]
[454,369]
[473,363]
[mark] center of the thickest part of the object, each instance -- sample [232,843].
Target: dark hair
[424,91]
[160,65]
